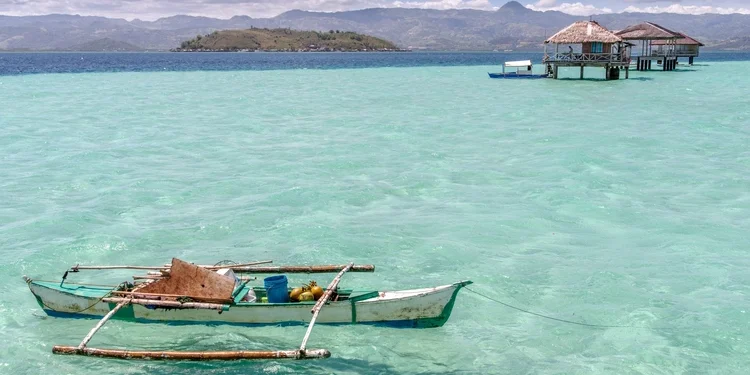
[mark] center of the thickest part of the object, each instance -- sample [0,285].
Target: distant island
[285,40]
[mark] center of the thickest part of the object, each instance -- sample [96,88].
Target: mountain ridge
[511,26]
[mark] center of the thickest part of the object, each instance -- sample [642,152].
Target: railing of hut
[662,52]
[589,57]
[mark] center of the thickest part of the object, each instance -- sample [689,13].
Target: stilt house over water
[685,46]
[587,44]
[647,33]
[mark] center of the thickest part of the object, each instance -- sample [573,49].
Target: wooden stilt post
[319,305]
[99,325]
[581,71]
[627,72]
[555,72]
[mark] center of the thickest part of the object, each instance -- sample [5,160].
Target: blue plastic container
[276,287]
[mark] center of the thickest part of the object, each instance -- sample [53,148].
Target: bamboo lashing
[319,305]
[329,268]
[101,323]
[170,304]
[165,267]
[194,356]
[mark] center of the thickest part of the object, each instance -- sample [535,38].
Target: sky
[153,9]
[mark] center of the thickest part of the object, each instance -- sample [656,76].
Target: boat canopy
[517,64]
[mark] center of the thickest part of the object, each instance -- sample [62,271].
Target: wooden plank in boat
[196,282]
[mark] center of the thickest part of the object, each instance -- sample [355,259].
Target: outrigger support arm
[99,325]
[319,305]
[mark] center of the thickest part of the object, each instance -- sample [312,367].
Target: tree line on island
[284,40]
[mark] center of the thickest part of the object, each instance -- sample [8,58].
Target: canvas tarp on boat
[192,281]
[518,64]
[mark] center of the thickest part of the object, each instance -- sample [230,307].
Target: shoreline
[305,50]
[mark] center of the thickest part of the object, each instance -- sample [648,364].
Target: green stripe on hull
[440,320]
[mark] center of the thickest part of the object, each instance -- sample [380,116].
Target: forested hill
[285,40]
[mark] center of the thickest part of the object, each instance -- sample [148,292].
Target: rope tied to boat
[120,286]
[557,319]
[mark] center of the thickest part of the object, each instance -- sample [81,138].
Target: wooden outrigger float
[186,293]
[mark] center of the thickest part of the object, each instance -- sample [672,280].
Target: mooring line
[557,319]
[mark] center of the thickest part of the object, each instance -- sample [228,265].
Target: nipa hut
[647,33]
[684,46]
[587,44]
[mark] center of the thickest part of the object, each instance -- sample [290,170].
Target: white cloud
[545,3]
[445,4]
[686,9]
[576,9]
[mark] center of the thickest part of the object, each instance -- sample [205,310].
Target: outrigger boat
[523,70]
[182,292]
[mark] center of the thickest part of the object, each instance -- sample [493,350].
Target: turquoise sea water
[613,203]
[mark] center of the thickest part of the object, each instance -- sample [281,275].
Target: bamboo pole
[72,283]
[165,267]
[101,323]
[329,268]
[170,304]
[195,356]
[157,277]
[81,268]
[319,305]
[146,277]
[233,266]
[147,295]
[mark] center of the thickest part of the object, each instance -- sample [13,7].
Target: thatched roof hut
[599,47]
[646,31]
[682,40]
[584,32]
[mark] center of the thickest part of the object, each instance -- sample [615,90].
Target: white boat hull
[418,308]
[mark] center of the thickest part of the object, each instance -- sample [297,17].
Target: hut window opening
[597,47]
